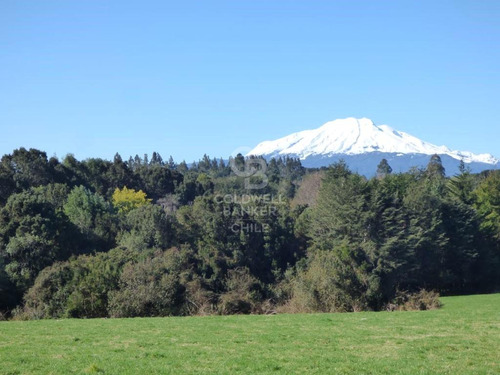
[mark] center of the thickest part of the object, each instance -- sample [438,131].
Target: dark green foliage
[119,283]
[389,224]
[34,232]
[29,168]
[487,203]
[151,287]
[427,237]
[342,237]
[226,235]
[93,216]
[401,231]
[157,180]
[341,212]
[435,167]
[8,294]
[24,169]
[7,183]
[330,240]
[78,288]
[383,169]
[466,249]
[461,186]
[146,227]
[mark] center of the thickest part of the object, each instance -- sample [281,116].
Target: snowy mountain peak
[353,136]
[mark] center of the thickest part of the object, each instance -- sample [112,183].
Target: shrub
[244,293]
[77,288]
[422,300]
[151,287]
[199,300]
[328,284]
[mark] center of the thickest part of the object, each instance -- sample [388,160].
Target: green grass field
[461,338]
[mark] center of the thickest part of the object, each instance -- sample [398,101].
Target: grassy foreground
[461,338]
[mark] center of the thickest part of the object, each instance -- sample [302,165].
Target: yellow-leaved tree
[125,200]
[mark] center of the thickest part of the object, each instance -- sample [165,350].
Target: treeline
[145,237]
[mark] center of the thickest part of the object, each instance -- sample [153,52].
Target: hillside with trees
[148,237]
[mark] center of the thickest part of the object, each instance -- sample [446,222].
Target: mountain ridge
[353,136]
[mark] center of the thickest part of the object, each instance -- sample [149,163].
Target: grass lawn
[461,338]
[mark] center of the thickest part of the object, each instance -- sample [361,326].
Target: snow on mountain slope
[352,136]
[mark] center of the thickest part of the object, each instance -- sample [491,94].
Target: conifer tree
[487,203]
[171,163]
[182,168]
[462,185]
[435,167]
[383,169]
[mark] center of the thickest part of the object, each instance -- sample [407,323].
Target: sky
[188,78]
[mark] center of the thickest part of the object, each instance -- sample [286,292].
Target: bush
[77,288]
[328,284]
[151,287]
[422,300]
[244,293]
[199,300]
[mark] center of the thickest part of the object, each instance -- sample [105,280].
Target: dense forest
[148,237]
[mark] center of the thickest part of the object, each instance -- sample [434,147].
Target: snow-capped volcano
[352,136]
[360,137]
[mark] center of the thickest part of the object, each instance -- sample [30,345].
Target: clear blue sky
[186,78]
